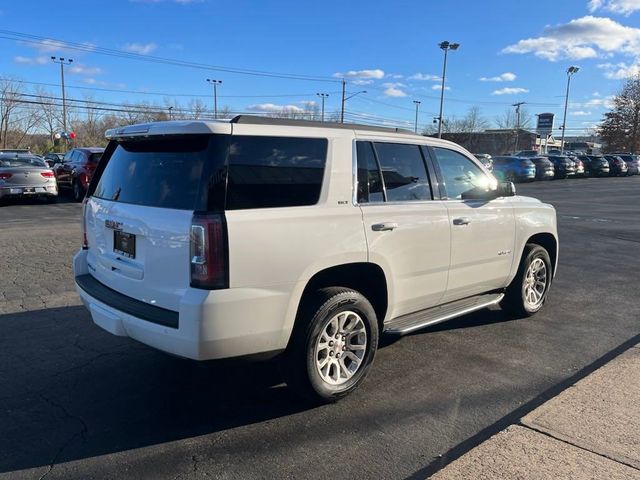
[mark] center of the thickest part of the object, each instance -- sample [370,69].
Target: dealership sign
[545,123]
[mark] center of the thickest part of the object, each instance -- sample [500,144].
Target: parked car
[52,158]
[617,166]
[514,169]
[544,168]
[75,171]
[527,153]
[632,161]
[26,175]
[563,165]
[171,225]
[595,165]
[579,166]
[486,160]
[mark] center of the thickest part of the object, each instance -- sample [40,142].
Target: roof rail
[256,120]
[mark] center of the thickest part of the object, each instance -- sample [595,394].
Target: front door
[482,232]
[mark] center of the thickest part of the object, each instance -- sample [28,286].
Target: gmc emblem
[113,225]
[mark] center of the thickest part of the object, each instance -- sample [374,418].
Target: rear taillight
[47,174]
[208,252]
[5,176]
[83,224]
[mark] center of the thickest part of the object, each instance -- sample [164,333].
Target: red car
[76,169]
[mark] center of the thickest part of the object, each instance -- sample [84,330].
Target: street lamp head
[448,45]
[454,46]
[572,69]
[444,45]
[53,58]
[417,102]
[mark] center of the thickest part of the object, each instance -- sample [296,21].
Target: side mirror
[503,189]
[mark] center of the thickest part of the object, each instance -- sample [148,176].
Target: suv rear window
[268,172]
[162,173]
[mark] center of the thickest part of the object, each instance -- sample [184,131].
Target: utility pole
[344,92]
[446,46]
[344,99]
[323,96]
[517,105]
[417,103]
[170,113]
[570,71]
[215,84]
[62,63]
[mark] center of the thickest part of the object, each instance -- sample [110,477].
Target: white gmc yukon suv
[304,240]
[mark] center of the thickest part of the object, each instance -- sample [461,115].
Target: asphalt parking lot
[78,402]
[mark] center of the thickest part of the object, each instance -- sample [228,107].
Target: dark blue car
[514,169]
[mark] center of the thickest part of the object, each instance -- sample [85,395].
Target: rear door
[139,214]
[482,232]
[407,230]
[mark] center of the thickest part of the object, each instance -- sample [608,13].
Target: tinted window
[403,171]
[369,183]
[158,173]
[459,173]
[275,171]
[94,158]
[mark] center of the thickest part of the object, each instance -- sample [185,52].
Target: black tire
[298,364]
[514,300]
[77,192]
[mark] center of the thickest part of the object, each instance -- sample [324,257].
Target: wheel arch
[549,242]
[365,277]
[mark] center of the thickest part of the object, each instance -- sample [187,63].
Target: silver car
[26,175]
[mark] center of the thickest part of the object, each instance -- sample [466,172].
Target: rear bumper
[18,191]
[210,324]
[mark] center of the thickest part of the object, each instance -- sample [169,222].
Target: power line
[164,94]
[83,47]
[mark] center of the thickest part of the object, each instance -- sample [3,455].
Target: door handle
[383,227]
[461,221]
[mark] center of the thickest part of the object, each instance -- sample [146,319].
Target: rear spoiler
[177,127]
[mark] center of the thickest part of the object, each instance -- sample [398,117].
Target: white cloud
[580,113]
[396,76]
[362,82]
[510,91]
[81,69]
[620,71]
[425,77]
[394,92]
[503,77]
[586,37]
[272,108]
[31,60]
[624,7]
[360,74]
[439,87]
[141,48]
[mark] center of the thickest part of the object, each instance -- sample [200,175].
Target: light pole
[215,84]
[344,99]
[170,113]
[323,96]
[517,105]
[446,46]
[417,102]
[570,71]
[62,63]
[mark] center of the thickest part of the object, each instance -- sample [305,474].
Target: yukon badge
[113,225]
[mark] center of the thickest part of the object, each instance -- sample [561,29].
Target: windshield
[21,161]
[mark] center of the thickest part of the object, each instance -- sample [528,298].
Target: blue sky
[520,49]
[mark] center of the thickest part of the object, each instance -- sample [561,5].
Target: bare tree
[508,120]
[10,100]
[620,129]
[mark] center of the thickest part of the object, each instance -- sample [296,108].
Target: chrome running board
[424,318]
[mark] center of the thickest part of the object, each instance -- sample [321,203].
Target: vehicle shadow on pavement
[71,391]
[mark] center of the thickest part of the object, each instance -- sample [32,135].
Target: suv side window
[403,171]
[266,172]
[369,183]
[68,155]
[459,173]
